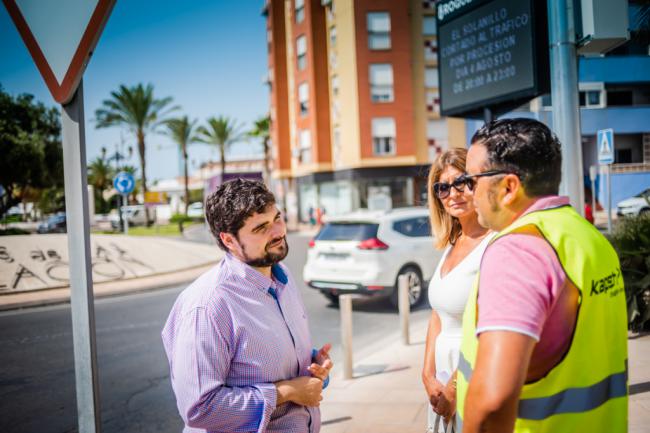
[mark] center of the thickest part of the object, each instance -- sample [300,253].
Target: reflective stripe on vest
[568,401]
[464,367]
[575,399]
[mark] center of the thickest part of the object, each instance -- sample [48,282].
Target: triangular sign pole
[68,33]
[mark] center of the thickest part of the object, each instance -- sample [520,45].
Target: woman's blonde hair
[446,229]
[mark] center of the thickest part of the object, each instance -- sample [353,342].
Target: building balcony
[614,69]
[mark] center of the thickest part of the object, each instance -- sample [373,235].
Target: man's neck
[265,270]
[518,209]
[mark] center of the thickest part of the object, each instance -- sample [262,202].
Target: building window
[429,26]
[303,98]
[269,39]
[381,82]
[332,58]
[383,136]
[335,85]
[590,99]
[333,36]
[378,30]
[431,77]
[433,101]
[300,10]
[430,50]
[305,146]
[301,52]
[620,98]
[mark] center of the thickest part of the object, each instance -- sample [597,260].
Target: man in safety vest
[545,329]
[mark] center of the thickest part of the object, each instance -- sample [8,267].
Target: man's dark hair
[227,209]
[526,147]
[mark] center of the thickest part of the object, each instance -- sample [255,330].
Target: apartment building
[354,102]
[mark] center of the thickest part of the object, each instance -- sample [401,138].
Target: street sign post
[605,143]
[593,175]
[61,37]
[124,184]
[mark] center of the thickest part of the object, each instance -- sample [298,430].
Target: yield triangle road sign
[61,36]
[605,143]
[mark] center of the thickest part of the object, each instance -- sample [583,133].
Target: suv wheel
[416,289]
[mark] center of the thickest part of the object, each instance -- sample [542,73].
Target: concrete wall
[624,185]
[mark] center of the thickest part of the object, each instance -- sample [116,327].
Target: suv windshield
[347,232]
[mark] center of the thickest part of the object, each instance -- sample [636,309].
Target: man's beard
[269,258]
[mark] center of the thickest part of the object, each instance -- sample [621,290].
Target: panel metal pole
[564,93]
[487,115]
[124,213]
[81,284]
[345,307]
[404,307]
[609,198]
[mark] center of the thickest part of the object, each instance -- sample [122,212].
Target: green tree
[182,131]
[100,176]
[30,145]
[137,109]
[261,130]
[221,132]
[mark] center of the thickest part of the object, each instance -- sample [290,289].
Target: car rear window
[347,232]
[413,227]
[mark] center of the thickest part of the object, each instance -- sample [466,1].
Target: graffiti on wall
[45,267]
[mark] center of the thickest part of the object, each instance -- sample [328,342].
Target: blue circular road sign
[124,182]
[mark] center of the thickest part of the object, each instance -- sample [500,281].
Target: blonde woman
[455,226]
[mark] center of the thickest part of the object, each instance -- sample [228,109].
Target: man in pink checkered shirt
[237,338]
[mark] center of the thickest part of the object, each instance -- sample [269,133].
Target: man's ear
[513,188]
[228,240]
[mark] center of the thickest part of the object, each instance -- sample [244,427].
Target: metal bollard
[404,307]
[345,307]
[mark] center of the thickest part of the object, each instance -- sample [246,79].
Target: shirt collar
[255,278]
[547,202]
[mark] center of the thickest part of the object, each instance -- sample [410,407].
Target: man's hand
[303,390]
[323,363]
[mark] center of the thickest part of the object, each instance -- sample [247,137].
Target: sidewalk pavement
[387,395]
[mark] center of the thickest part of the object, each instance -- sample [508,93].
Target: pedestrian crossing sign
[605,143]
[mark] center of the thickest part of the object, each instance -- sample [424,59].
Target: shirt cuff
[508,328]
[314,352]
[269,396]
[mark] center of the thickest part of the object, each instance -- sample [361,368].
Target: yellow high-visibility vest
[587,391]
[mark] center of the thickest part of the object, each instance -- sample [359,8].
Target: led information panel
[491,54]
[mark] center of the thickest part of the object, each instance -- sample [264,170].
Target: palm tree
[137,109]
[182,131]
[100,176]
[222,132]
[261,130]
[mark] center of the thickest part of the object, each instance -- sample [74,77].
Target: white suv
[364,253]
[636,205]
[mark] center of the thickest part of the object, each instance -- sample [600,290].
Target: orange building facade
[354,103]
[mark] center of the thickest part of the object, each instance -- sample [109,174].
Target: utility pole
[564,94]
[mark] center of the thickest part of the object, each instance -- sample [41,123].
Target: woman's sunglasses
[443,189]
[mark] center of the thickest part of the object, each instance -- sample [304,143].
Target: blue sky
[209,56]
